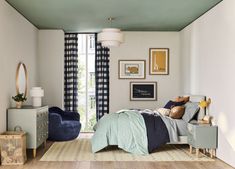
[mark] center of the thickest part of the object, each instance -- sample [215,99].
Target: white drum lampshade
[110,37]
[37,93]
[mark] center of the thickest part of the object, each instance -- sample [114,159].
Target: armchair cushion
[67,115]
[71,116]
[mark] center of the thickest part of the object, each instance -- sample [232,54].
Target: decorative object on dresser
[202,136]
[32,120]
[37,93]
[159,61]
[131,69]
[143,91]
[19,99]
[13,147]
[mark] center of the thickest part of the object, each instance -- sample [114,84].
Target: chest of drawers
[34,121]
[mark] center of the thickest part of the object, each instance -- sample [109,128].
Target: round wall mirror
[21,79]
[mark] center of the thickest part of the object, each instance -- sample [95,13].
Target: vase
[18,105]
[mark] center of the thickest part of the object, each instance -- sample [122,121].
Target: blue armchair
[63,126]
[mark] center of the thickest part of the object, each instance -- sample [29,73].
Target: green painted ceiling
[131,15]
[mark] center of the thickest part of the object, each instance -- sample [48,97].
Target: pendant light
[110,36]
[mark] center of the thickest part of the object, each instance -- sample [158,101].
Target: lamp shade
[110,37]
[37,93]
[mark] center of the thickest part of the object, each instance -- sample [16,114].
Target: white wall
[51,66]
[18,42]
[208,53]
[136,47]
[205,67]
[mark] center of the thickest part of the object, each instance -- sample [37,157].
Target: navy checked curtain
[102,79]
[71,72]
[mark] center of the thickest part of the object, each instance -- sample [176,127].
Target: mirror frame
[17,78]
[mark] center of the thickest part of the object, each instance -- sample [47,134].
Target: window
[86,81]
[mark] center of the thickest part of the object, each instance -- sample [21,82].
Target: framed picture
[143,91]
[131,69]
[159,61]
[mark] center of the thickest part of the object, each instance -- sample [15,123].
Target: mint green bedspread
[126,129]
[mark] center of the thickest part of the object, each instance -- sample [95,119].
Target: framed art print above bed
[143,91]
[131,69]
[159,61]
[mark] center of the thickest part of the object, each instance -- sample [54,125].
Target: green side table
[202,136]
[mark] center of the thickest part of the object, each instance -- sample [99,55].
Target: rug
[80,150]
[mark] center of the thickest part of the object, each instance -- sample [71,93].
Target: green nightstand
[202,136]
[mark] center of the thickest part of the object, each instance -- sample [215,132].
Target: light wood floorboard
[34,163]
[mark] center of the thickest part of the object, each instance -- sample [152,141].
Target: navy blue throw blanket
[157,132]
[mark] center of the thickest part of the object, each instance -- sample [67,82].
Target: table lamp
[205,104]
[37,93]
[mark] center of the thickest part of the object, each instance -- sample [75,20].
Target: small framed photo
[159,61]
[143,91]
[131,69]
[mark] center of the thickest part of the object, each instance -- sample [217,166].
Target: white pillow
[164,111]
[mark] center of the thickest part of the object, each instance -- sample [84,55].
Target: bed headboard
[198,98]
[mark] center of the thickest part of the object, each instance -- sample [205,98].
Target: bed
[142,131]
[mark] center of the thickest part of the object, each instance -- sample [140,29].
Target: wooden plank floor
[34,163]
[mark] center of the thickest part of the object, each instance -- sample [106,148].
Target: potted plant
[19,99]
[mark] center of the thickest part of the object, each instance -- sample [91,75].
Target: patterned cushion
[164,111]
[191,109]
[177,112]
